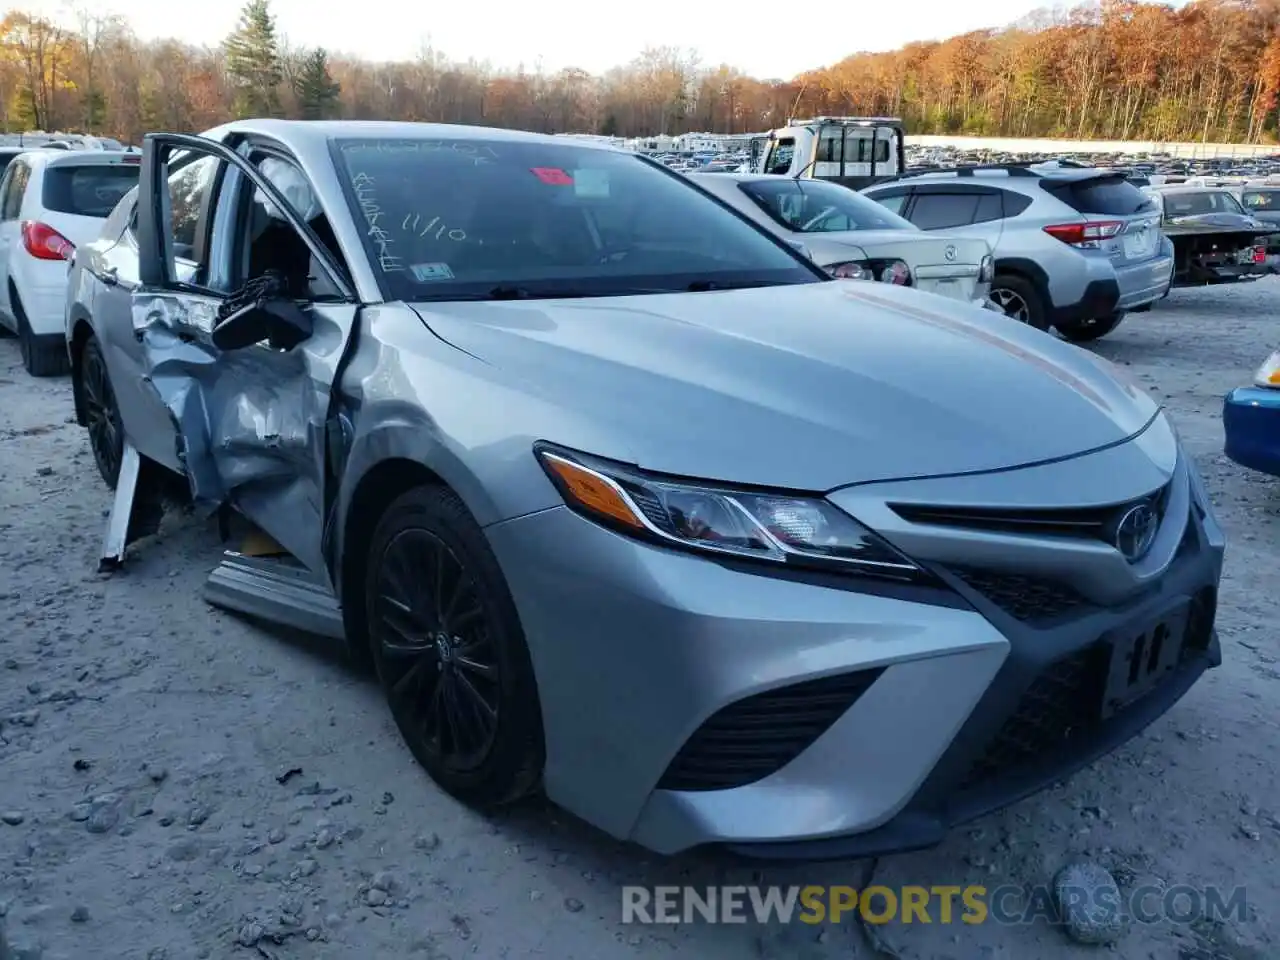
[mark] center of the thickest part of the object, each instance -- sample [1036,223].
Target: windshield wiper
[505,292]
[515,292]
[702,286]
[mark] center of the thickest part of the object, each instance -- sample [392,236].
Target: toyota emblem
[1136,531]
[950,253]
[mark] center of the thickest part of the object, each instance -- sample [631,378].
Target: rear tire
[94,395]
[1019,299]
[450,651]
[1085,331]
[39,357]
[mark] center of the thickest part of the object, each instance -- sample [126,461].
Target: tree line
[1118,69]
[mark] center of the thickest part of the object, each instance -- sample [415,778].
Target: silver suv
[1075,248]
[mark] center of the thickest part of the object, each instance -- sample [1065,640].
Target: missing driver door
[252,422]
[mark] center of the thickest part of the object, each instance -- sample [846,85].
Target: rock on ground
[186,785]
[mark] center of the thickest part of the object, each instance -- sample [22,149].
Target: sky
[592,35]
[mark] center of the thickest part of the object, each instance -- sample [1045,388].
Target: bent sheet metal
[250,423]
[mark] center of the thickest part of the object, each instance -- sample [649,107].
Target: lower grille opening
[758,736]
[1066,701]
[1023,597]
[1061,703]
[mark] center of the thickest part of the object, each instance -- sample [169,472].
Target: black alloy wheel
[449,650]
[1019,300]
[102,417]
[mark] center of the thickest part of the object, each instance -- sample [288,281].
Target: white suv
[50,202]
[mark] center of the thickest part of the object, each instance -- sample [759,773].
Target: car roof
[996,174]
[1177,188]
[40,157]
[310,136]
[739,177]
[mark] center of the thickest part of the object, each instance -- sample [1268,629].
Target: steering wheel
[818,219]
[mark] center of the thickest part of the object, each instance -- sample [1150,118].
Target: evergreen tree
[253,62]
[315,88]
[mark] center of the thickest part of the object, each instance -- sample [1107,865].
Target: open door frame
[310,371]
[155,239]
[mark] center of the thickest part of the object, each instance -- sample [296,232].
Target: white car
[855,238]
[52,201]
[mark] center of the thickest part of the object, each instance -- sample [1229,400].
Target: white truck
[852,151]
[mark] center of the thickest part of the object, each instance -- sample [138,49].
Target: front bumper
[1251,422]
[664,676]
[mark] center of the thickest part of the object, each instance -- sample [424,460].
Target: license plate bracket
[1140,660]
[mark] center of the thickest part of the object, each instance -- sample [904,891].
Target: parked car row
[630,501]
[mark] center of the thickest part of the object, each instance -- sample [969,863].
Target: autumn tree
[253,62]
[1204,70]
[315,89]
[94,30]
[39,48]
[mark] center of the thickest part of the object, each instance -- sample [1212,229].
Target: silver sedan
[856,238]
[627,501]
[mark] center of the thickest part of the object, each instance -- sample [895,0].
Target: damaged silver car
[625,498]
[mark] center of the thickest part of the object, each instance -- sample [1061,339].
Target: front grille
[1065,701]
[1030,599]
[1093,523]
[753,738]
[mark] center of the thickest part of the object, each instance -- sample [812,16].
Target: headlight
[779,528]
[886,271]
[853,270]
[987,269]
[1268,374]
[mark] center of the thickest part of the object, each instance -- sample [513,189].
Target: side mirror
[282,323]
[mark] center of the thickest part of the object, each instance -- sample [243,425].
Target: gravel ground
[175,783]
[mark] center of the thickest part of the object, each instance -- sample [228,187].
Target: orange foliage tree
[1116,69]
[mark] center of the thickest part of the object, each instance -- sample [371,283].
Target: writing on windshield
[444,217]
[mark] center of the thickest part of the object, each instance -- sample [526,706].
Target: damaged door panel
[250,422]
[249,394]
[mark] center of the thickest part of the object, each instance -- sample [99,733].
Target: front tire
[450,652]
[102,416]
[1019,299]
[1086,331]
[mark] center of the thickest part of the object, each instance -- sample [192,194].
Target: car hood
[808,387]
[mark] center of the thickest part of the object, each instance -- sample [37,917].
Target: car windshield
[1262,201]
[457,218]
[813,206]
[1199,204]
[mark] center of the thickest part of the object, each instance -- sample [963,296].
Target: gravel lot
[181,721]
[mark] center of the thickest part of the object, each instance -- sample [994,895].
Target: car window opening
[814,206]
